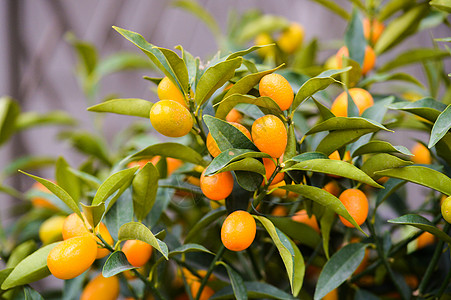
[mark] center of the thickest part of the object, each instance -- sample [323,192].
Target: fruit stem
[264,190]
[199,124]
[433,263]
[203,283]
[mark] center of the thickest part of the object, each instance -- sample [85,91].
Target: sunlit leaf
[131,107]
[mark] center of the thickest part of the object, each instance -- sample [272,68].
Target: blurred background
[39,61]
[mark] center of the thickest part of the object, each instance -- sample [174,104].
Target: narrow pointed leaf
[339,138]
[427,108]
[33,119]
[380,147]
[229,156]
[112,184]
[116,263]
[441,127]
[66,180]
[138,231]
[239,289]
[301,232]
[226,105]
[9,112]
[145,185]
[346,123]
[382,161]
[130,107]
[413,56]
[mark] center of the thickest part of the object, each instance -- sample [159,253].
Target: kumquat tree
[274,175]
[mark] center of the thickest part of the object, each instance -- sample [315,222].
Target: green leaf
[354,39]
[232,155]
[309,156]
[32,119]
[226,105]
[206,220]
[400,28]
[334,167]
[444,5]
[192,66]
[413,56]
[306,56]
[421,175]
[346,123]
[113,183]
[28,162]
[199,11]
[66,180]
[90,180]
[248,180]
[239,289]
[138,231]
[327,222]
[116,263]
[339,268]
[173,150]
[130,107]
[215,77]
[290,149]
[246,83]
[339,138]
[73,287]
[10,191]
[427,108]
[87,143]
[93,213]
[30,269]
[380,147]
[351,78]
[264,23]
[290,254]
[423,224]
[120,213]
[441,127]
[20,252]
[86,52]
[255,290]
[384,77]
[324,198]
[315,84]
[390,187]
[243,52]
[334,7]
[246,164]
[145,185]
[324,112]
[301,232]
[382,161]
[9,112]
[391,7]
[179,69]
[227,136]
[57,191]
[31,294]
[122,61]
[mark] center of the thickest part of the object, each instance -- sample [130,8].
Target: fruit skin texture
[369,59]
[361,98]
[137,252]
[218,186]
[73,226]
[270,135]
[333,188]
[375,30]
[101,288]
[270,167]
[291,38]
[238,231]
[278,89]
[301,216]
[167,90]
[356,203]
[212,146]
[170,118]
[446,209]
[72,257]
[51,229]
[421,154]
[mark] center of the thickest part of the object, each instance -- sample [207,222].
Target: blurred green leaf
[324,112]
[90,180]
[9,112]
[27,163]
[199,11]
[384,77]
[205,221]
[301,232]
[86,52]
[382,161]
[255,290]
[351,78]
[113,183]
[339,268]
[390,187]
[380,147]
[138,231]
[73,287]
[116,263]
[87,143]
[413,56]
[226,105]
[391,7]
[427,108]
[131,107]
[66,180]
[239,289]
[179,69]
[334,7]
[327,222]
[262,24]
[354,39]
[145,185]
[31,119]
[444,5]
[306,56]
[20,252]
[120,62]
[31,294]
[232,155]
[290,254]
[423,224]
[10,191]
[441,127]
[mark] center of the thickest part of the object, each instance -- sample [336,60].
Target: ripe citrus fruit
[51,230]
[281,192]
[167,90]
[42,202]
[137,252]
[356,203]
[333,188]
[336,156]
[170,118]
[270,135]
[421,154]
[302,217]
[218,186]
[374,30]
[446,209]
[361,98]
[279,211]
[207,291]
[278,89]
[212,146]
[264,39]
[291,38]
[142,162]
[333,295]
[72,257]
[234,116]
[368,61]
[73,226]
[425,239]
[101,288]
[238,230]
[270,167]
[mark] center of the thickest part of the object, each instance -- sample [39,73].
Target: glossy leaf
[145,185]
[215,77]
[239,289]
[301,232]
[346,123]
[290,149]
[227,136]
[413,56]
[309,156]
[33,119]
[441,127]
[125,106]
[382,161]
[30,269]
[339,268]
[246,164]
[315,84]
[354,39]
[384,77]
[243,52]
[232,155]
[119,214]
[427,108]
[324,198]
[31,294]
[206,220]
[20,252]
[93,213]
[248,180]
[226,105]
[339,138]
[334,167]
[290,254]
[59,192]
[255,290]
[66,180]
[380,147]
[423,224]
[113,183]
[421,175]
[116,263]
[138,231]
[9,111]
